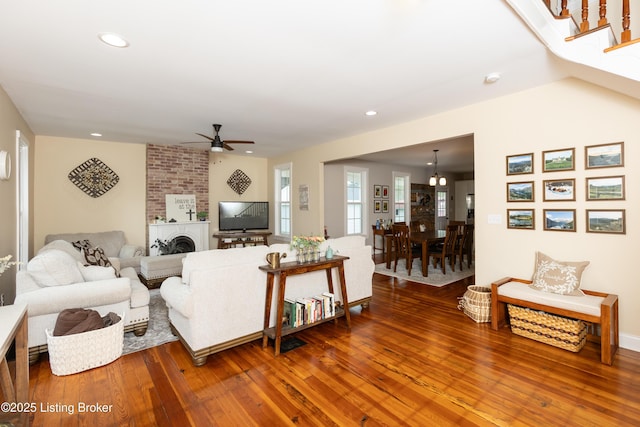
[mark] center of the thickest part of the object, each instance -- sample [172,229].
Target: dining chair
[465,245]
[403,246]
[445,250]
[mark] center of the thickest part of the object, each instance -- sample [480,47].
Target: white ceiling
[284,73]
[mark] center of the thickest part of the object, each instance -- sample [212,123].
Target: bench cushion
[587,304]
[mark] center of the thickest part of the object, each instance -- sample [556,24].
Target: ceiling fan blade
[205,136]
[228,147]
[238,142]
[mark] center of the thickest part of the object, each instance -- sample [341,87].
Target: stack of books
[304,311]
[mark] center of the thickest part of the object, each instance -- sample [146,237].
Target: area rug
[158,331]
[434,278]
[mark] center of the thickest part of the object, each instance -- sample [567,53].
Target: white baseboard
[630,342]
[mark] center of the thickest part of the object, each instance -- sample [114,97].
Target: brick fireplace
[175,170]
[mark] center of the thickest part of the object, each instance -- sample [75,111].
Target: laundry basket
[476,303]
[70,354]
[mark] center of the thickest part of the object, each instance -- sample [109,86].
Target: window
[400,197]
[355,183]
[283,200]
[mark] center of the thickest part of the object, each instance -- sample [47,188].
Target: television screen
[234,216]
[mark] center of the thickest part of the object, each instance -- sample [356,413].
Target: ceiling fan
[218,144]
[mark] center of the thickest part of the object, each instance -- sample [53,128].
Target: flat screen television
[242,216]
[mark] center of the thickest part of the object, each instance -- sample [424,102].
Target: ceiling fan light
[216,149]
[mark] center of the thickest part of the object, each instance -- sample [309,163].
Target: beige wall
[10,121]
[221,166]
[61,207]
[570,113]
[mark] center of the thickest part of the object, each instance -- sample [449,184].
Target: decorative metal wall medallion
[94,177]
[239,181]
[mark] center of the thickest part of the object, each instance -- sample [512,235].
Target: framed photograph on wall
[520,164]
[521,219]
[385,191]
[605,188]
[377,206]
[609,221]
[559,190]
[558,160]
[520,191]
[385,206]
[560,219]
[604,155]
[377,191]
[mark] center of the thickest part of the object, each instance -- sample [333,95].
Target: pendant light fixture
[435,179]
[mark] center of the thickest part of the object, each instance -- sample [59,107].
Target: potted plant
[202,215]
[167,247]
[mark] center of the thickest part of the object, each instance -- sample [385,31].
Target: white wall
[570,113]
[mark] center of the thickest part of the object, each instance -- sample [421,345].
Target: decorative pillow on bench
[559,277]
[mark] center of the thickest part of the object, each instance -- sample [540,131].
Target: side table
[13,326]
[290,269]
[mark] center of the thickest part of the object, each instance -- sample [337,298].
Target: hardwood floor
[411,358]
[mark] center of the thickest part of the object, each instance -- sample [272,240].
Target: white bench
[596,308]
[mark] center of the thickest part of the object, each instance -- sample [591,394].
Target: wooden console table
[13,325]
[251,238]
[290,269]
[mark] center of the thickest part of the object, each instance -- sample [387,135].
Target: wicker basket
[476,303]
[568,334]
[70,354]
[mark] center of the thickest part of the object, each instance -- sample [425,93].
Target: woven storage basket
[476,303]
[568,334]
[69,354]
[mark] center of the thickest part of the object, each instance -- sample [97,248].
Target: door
[442,208]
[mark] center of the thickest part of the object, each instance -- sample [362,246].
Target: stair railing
[583,26]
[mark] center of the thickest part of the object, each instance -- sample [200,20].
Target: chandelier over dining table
[435,179]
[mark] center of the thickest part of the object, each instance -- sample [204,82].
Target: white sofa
[219,302]
[113,243]
[55,279]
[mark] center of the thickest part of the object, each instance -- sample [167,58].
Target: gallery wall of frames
[602,183]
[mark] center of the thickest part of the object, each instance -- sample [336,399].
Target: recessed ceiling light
[249,152]
[113,40]
[96,134]
[492,77]
[371,113]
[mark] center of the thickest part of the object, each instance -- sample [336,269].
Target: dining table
[422,238]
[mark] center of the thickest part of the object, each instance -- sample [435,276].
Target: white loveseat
[219,302]
[56,279]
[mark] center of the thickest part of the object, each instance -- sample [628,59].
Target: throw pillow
[558,277]
[96,256]
[91,273]
[81,244]
[54,267]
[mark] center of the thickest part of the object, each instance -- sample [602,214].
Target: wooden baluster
[584,25]
[603,13]
[626,21]
[564,12]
